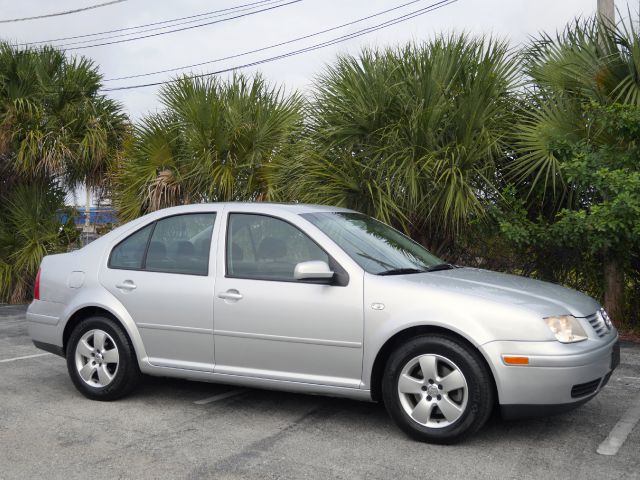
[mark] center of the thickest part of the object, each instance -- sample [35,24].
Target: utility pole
[607,11]
[87,213]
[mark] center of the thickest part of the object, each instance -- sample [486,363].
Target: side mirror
[312,270]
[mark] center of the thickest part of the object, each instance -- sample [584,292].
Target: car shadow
[370,416]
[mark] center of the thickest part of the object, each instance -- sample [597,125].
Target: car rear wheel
[101,360]
[437,389]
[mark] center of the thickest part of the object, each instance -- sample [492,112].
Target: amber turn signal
[511,360]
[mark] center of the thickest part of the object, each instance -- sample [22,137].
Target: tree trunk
[614,288]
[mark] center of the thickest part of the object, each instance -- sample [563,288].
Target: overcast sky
[515,20]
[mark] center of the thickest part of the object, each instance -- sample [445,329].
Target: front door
[163,276]
[269,325]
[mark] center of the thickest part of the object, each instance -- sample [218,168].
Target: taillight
[36,288]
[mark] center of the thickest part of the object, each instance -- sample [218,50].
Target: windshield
[376,247]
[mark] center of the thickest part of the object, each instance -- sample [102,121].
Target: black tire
[127,374]
[480,388]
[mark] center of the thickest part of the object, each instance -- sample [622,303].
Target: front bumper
[559,376]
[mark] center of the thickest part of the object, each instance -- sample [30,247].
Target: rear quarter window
[129,254]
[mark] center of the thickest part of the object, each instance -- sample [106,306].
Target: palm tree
[590,62]
[590,65]
[410,135]
[56,132]
[53,121]
[29,230]
[214,141]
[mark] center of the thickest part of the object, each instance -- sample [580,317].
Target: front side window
[176,244]
[376,247]
[267,248]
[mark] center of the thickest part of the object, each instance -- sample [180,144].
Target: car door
[269,325]
[163,274]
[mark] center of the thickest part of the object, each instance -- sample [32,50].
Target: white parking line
[24,358]
[220,396]
[622,429]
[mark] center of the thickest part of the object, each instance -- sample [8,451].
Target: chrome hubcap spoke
[111,356]
[85,349]
[87,371]
[98,340]
[428,367]
[104,377]
[453,381]
[408,384]
[450,410]
[423,410]
[97,358]
[433,390]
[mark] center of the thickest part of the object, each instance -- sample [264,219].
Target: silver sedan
[318,300]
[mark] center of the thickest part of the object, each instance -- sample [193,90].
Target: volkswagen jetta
[318,300]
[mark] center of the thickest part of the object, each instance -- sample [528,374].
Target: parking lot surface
[179,429]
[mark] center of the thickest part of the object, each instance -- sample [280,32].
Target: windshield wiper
[440,266]
[401,271]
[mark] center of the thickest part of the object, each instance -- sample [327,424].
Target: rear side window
[129,253]
[181,244]
[176,244]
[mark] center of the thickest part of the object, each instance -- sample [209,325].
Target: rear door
[163,275]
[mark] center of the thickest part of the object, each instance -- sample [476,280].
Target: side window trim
[341,277]
[143,265]
[148,243]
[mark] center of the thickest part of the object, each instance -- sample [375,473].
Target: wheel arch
[87,312]
[399,337]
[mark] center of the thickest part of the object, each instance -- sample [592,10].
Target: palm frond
[214,141]
[410,135]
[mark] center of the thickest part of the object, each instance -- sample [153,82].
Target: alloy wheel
[433,391]
[97,358]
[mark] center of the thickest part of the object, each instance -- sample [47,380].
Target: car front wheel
[437,389]
[101,360]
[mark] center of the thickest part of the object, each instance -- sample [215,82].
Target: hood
[541,297]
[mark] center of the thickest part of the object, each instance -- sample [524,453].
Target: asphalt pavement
[179,429]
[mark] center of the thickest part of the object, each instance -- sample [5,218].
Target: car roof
[260,207]
[250,207]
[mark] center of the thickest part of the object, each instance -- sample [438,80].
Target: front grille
[584,389]
[598,324]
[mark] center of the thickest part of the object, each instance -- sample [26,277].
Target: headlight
[566,328]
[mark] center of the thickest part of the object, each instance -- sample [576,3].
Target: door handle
[126,285]
[230,295]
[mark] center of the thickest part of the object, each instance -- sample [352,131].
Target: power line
[52,40]
[66,12]
[198,18]
[343,38]
[293,40]
[186,28]
[264,3]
